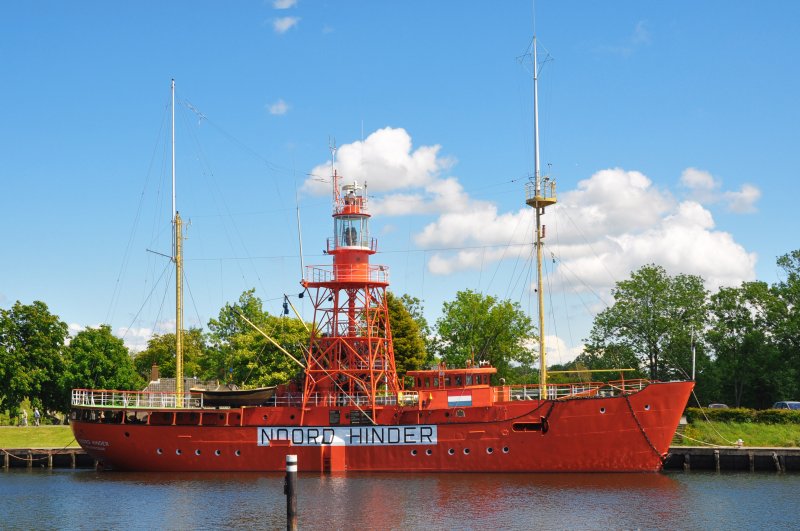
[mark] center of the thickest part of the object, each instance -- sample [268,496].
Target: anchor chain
[663,458]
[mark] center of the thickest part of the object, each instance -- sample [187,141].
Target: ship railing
[628,386]
[347,273]
[112,399]
[572,390]
[547,190]
[404,398]
[367,243]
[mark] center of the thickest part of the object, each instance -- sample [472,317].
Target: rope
[663,458]
[699,441]
[31,459]
[703,411]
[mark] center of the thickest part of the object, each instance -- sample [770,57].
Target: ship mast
[177,257]
[540,194]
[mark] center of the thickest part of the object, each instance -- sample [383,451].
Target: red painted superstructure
[352,413]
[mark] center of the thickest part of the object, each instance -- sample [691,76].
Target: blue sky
[670,128]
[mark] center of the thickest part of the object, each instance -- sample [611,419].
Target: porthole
[451,451]
[264,417]
[647,407]
[291,417]
[602,411]
[505,449]
[466,451]
[197,452]
[178,452]
[237,453]
[413,452]
[490,450]
[217,452]
[428,451]
[446,413]
[127,434]
[159,451]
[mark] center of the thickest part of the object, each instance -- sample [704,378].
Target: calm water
[85,499]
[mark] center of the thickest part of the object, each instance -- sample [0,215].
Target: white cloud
[278,108]
[707,190]
[136,338]
[610,224]
[743,201]
[284,4]
[387,161]
[284,24]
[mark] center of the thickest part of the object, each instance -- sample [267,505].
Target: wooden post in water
[716,460]
[290,489]
[6,462]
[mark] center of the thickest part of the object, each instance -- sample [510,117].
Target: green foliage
[653,316]
[31,341]
[409,347]
[96,359]
[753,435]
[241,354]
[484,328]
[38,437]
[744,415]
[161,351]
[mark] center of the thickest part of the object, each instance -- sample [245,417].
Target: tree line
[40,362]
[746,341]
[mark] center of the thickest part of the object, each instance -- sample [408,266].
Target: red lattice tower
[350,361]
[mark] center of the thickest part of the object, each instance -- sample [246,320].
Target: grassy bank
[37,437]
[726,433]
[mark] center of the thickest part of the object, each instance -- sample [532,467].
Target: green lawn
[753,434]
[36,437]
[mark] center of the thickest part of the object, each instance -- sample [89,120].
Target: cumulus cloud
[743,201]
[387,161]
[610,224]
[706,189]
[278,108]
[136,338]
[284,24]
[284,4]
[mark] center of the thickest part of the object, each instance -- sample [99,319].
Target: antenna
[172,89]
[299,230]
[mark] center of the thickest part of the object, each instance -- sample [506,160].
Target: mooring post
[290,489]
[716,460]
[30,459]
[776,461]
[687,465]
[6,462]
[752,461]
[73,458]
[49,459]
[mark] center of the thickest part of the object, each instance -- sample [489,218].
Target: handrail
[112,399]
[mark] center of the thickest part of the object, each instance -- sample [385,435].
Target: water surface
[86,499]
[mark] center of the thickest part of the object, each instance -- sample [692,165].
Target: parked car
[786,405]
[718,406]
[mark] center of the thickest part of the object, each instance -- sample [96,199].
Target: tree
[784,317]
[653,316]
[31,343]
[241,354]
[161,351]
[409,347]
[96,359]
[479,327]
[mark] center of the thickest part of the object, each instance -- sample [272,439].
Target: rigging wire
[117,291]
[136,317]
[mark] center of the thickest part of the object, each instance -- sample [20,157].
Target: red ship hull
[625,433]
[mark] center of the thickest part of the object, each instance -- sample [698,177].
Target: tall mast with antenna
[177,257]
[540,194]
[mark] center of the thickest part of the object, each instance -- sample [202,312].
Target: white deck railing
[134,399]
